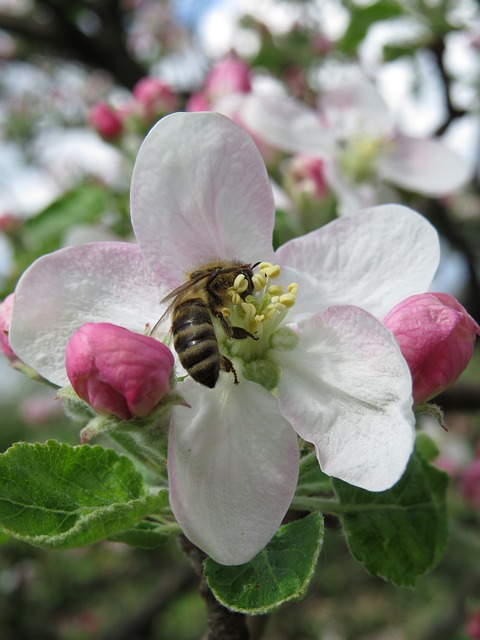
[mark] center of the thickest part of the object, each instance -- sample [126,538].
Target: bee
[194,305]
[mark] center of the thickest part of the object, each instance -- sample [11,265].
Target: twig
[223,624]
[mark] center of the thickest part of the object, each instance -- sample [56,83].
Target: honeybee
[194,305]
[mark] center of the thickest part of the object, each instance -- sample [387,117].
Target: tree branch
[223,624]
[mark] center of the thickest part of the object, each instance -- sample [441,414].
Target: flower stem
[325,505]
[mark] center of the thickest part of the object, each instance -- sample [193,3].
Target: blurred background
[81,83]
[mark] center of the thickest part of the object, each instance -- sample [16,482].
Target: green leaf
[57,496]
[147,535]
[401,533]
[361,19]
[81,205]
[279,573]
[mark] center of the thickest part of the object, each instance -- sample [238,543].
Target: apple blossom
[118,371]
[200,193]
[353,132]
[436,336]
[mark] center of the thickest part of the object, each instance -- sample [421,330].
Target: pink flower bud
[197,102]
[473,626]
[106,120]
[436,336]
[5,315]
[230,75]
[470,483]
[118,371]
[154,97]
[306,177]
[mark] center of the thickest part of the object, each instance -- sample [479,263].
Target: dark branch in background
[139,625]
[461,397]
[223,624]
[438,50]
[60,34]
[452,231]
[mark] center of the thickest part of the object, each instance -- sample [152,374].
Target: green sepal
[398,534]
[279,573]
[57,496]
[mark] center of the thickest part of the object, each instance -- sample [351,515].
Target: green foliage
[279,573]
[362,18]
[398,534]
[57,496]
[43,233]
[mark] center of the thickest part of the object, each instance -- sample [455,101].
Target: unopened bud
[118,371]
[227,76]
[436,336]
[106,120]
[154,98]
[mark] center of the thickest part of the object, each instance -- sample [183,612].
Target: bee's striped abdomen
[195,341]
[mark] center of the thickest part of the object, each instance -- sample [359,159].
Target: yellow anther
[270,312]
[292,288]
[265,265]
[260,318]
[275,290]
[259,281]
[241,283]
[272,271]
[287,299]
[236,299]
[225,312]
[250,311]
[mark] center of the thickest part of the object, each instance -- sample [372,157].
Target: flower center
[260,313]
[359,155]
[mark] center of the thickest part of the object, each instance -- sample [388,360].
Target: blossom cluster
[319,338]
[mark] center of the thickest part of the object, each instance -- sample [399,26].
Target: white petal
[347,389]
[424,166]
[285,123]
[233,466]
[98,282]
[355,108]
[200,192]
[372,260]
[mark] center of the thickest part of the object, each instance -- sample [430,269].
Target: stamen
[241,283]
[275,290]
[226,313]
[259,280]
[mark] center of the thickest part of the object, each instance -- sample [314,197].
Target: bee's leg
[227,365]
[237,333]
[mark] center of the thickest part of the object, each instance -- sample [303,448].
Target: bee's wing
[176,296]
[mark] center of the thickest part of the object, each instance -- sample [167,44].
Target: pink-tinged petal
[118,371]
[347,389]
[99,282]
[372,260]
[355,108]
[286,124]
[436,336]
[6,307]
[229,75]
[200,191]
[233,466]
[424,166]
